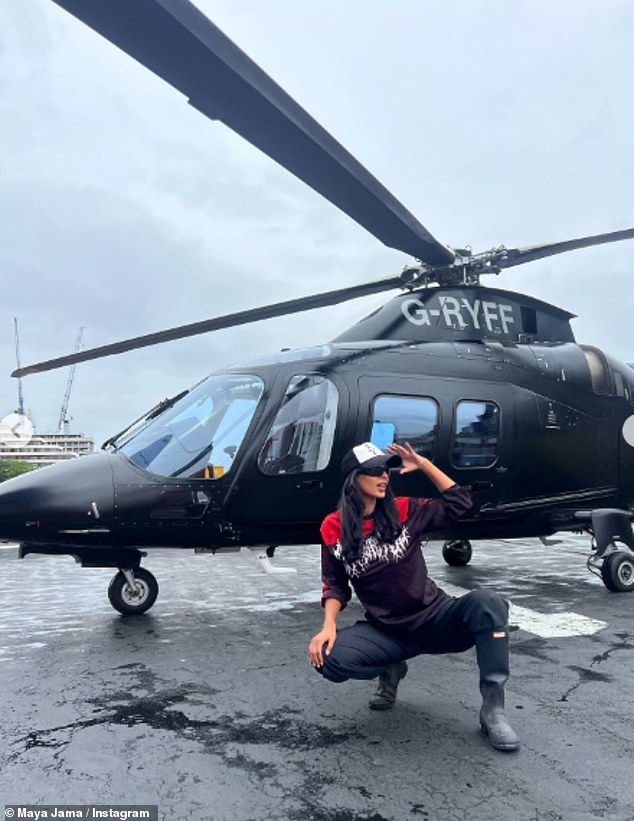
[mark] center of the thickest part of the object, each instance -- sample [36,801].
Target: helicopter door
[294,470]
[467,430]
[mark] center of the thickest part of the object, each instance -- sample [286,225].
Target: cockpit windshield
[200,434]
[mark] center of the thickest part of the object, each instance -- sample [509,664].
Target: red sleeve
[331,529]
[402,506]
[335,583]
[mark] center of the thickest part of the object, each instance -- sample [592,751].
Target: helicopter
[490,384]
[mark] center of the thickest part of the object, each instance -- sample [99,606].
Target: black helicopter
[490,384]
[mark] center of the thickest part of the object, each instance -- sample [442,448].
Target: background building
[48,448]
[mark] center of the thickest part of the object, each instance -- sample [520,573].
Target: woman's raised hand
[411,459]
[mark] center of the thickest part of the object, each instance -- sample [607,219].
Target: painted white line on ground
[545,625]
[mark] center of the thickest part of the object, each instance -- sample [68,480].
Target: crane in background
[64,420]
[20,408]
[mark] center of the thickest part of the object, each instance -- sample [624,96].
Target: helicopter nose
[51,502]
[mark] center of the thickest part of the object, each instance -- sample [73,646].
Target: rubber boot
[492,651]
[389,680]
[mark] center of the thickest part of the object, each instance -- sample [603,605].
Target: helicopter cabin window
[301,436]
[476,434]
[399,419]
[198,436]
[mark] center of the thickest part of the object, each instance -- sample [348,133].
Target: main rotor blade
[517,256]
[176,41]
[291,306]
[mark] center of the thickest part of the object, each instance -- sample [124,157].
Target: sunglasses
[377,471]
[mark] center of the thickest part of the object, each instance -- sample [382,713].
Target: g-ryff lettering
[460,314]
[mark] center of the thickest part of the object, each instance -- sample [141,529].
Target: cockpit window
[199,436]
[301,436]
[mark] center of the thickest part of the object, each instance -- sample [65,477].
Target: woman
[372,543]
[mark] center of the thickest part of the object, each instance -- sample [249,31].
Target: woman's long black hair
[351,510]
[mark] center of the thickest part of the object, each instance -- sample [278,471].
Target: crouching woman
[372,544]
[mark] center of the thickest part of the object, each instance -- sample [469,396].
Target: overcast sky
[125,211]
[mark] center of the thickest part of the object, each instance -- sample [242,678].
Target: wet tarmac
[207,706]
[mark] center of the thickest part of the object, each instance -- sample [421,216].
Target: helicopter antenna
[64,421]
[20,408]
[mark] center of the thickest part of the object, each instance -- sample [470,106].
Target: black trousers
[363,651]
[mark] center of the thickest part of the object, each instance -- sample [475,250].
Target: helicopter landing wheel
[133,592]
[617,572]
[457,553]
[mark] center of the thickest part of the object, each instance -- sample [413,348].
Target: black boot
[389,680]
[493,660]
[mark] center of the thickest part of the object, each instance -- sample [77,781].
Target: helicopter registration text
[460,313]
